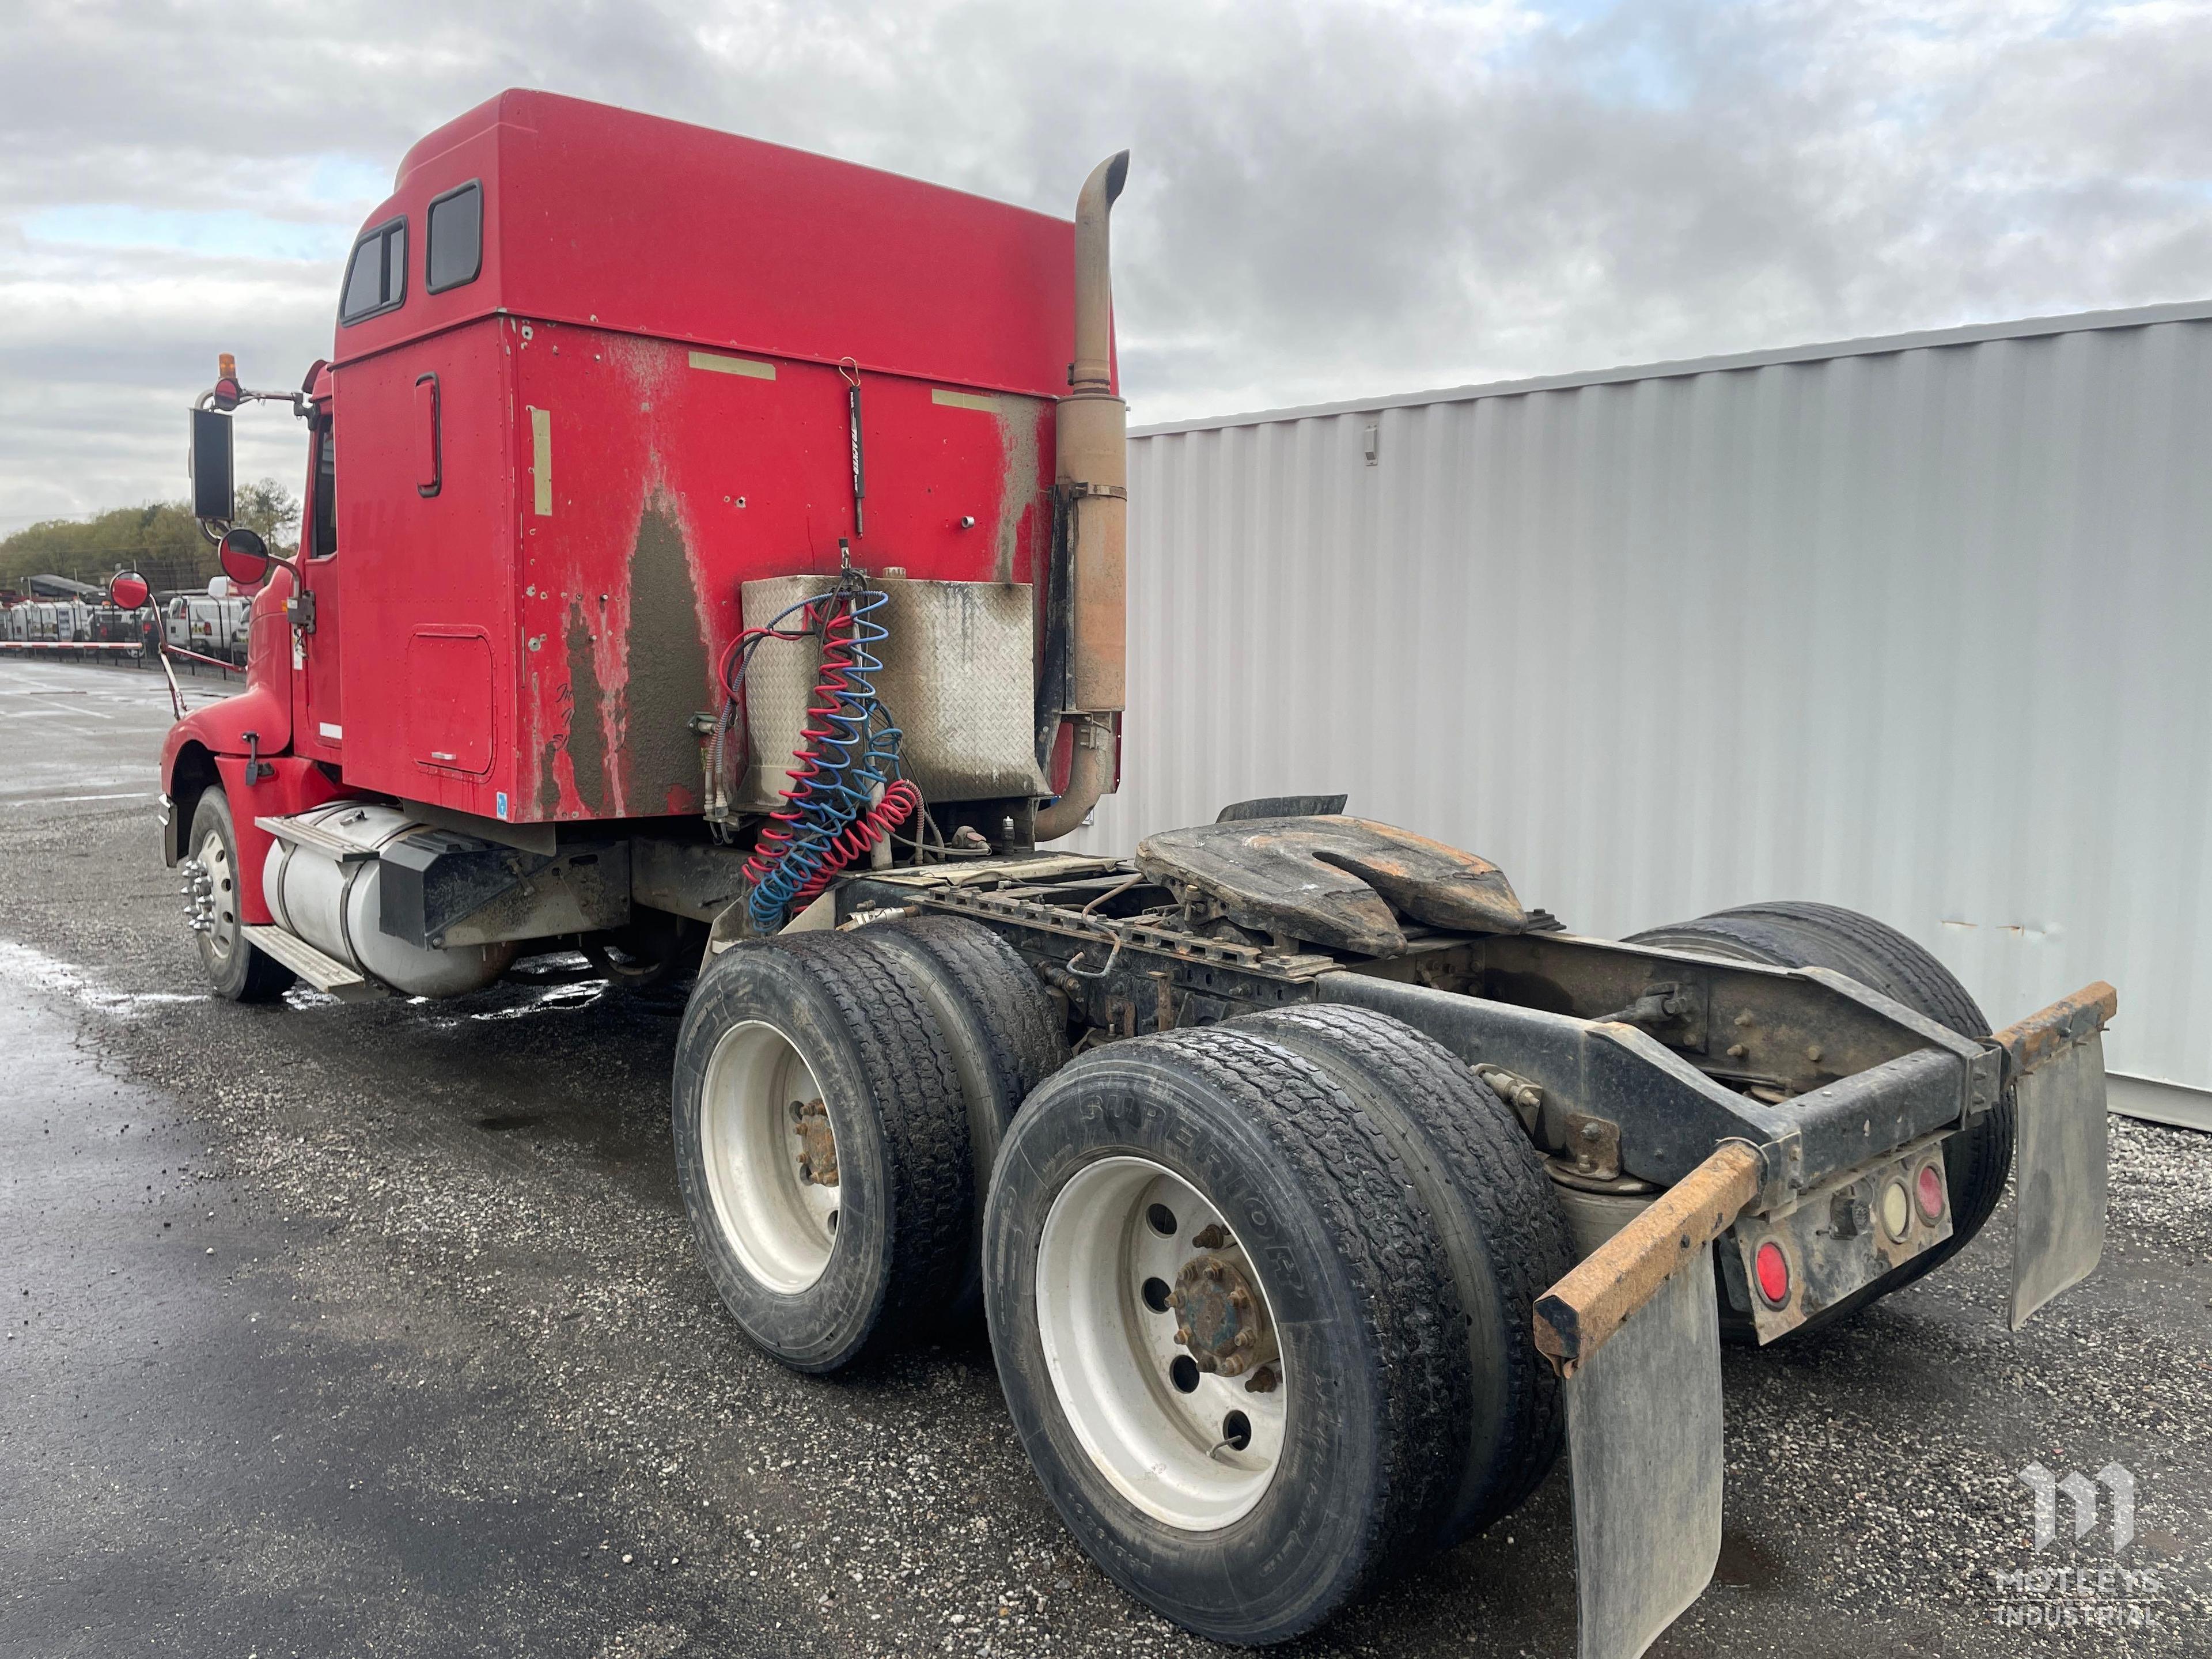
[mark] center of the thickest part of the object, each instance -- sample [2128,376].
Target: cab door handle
[429,447]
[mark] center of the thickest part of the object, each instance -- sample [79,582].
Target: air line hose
[830,814]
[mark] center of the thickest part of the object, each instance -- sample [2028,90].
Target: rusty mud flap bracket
[2056,1060]
[1634,1330]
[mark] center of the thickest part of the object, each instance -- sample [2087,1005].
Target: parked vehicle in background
[210,626]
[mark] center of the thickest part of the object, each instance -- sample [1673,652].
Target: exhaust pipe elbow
[1091,774]
[1092,371]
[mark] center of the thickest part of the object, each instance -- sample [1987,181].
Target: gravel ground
[377,1328]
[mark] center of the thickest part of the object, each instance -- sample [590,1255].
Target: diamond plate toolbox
[958,674]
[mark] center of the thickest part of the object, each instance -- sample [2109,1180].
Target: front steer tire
[822,1273]
[238,971]
[1374,1376]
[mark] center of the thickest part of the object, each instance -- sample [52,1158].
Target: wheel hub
[1218,1318]
[769,1148]
[817,1145]
[199,896]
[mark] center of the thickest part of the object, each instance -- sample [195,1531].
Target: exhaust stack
[1091,428]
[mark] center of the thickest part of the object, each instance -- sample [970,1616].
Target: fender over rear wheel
[1222,1321]
[1796,933]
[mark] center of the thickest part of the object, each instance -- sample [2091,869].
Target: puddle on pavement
[29,965]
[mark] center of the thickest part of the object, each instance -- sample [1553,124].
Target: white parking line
[54,800]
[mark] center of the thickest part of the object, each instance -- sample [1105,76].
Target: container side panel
[1919,632]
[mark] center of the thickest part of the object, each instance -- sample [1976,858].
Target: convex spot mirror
[127,590]
[244,557]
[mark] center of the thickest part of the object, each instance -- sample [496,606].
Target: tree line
[161,540]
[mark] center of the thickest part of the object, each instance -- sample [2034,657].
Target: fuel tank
[323,884]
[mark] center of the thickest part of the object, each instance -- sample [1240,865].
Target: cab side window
[323,535]
[376,278]
[455,255]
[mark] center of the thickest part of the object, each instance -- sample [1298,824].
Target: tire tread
[1494,1170]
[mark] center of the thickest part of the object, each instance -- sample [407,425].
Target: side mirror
[244,557]
[213,494]
[127,590]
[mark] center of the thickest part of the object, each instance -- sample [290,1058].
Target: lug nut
[1214,1273]
[1240,1299]
[1182,1336]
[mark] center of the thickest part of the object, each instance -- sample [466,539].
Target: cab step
[326,974]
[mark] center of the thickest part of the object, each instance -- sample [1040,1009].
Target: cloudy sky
[1328,200]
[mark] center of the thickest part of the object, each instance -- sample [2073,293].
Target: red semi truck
[713,560]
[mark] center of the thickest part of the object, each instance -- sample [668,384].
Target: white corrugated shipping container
[1921,626]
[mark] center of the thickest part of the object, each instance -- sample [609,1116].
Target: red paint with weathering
[264,707]
[639,406]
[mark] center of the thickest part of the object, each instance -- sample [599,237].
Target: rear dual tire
[1399,1418]
[1504,1237]
[831,1094]
[1793,934]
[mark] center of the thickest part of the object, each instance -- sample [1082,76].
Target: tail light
[1928,1189]
[1772,1268]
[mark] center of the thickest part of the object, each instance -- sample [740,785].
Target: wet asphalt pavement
[375,1329]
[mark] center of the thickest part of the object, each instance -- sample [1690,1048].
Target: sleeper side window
[376,280]
[325,534]
[455,254]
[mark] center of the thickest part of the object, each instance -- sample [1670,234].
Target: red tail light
[1772,1268]
[1929,1190]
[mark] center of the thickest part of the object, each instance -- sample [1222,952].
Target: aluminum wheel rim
[221,935]
[781,1225]
[1112,1357]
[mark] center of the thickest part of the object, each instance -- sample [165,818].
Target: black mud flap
[1644,1442]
